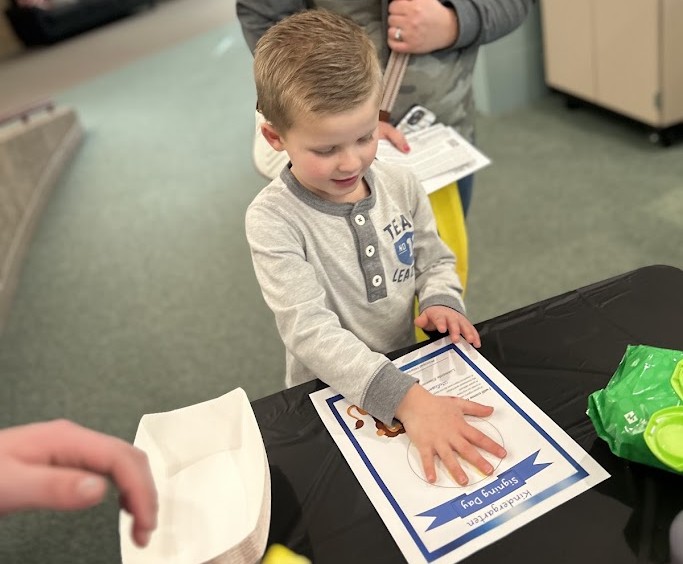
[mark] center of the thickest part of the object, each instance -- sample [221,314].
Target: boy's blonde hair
[314,62]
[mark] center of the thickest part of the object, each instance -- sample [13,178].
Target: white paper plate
[211,471]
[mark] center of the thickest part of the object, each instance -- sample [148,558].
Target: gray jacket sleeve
[481,21]
[484,21]
[256,16]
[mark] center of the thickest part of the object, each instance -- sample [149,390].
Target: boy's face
[330,153]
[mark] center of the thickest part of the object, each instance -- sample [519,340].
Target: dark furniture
[557,352]
[38,26]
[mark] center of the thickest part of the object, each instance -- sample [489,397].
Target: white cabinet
[624,55]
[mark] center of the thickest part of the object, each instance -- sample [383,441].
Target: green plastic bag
[640,411]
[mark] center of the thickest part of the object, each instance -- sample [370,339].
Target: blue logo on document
[404,248]
[465,505]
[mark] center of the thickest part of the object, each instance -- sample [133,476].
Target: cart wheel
[660,137]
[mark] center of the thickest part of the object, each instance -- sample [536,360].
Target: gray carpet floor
[138,296]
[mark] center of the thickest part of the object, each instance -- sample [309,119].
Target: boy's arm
[310,330]
[256,16]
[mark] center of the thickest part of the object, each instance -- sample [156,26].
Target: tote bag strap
[446,204]
[391,83]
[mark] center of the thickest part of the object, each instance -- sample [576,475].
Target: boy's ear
[272,136]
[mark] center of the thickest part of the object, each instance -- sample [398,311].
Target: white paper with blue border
[446,522]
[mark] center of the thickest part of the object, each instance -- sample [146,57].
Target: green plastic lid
[664,436]
[677,379]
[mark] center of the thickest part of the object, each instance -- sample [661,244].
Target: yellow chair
[450,223]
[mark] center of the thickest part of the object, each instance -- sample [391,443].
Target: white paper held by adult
[438,156]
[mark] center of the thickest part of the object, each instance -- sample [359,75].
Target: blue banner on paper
[506,483]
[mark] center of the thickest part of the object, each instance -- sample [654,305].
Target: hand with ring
[421,26]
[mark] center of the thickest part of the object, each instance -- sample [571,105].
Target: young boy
[342,244]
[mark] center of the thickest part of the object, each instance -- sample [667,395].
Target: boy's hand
[444,319]
[437,427]
[394,136]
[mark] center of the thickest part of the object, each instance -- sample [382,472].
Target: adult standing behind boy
[444,34]
[342,244]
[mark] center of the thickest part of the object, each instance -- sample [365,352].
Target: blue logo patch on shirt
[404,248]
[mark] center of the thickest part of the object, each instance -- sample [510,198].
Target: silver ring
[398,34]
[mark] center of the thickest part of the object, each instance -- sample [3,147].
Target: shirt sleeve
[310,330]
[484,21]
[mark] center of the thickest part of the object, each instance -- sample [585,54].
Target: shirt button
[359,219]
[376,280]
[369,250]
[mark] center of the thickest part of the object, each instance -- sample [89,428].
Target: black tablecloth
[557,352]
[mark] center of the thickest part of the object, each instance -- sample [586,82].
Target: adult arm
[484,21]
[434,25]
[61,465]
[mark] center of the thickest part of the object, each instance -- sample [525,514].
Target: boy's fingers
[450,461]
[454,329]
[472,337]
[474,408]
[427,457]
[462,326]
[474,457]
[423,322]
[471,334]
[438,321]
[489,445]
[483,441]
[394,136]
[398,140]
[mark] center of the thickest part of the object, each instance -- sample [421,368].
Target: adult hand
[437,427]
[390,133]
[426,26]
[61,465]
[444,319]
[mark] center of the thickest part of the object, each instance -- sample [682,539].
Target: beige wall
[8,42]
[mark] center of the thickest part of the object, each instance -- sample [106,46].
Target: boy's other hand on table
[437,427]
[444,319]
